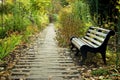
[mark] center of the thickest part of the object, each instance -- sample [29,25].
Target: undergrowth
[8,44]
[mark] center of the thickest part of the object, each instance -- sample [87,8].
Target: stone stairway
[44,60]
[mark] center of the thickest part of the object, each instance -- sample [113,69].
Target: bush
[74,19]
[30,30]
[69,26]
[81,11]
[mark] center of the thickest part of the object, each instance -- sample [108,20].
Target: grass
[100,72]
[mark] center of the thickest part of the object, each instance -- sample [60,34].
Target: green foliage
[8,44]
[13,20]
[73,21]
[69,26]
[64,3]
[118,36]
[71,1]
[100,72]
[17,15]
[81,11]
[19,19]
[103,12]
[39,10]
[30,30]
[5,8]
[56,6]
[118,6]
[2,32]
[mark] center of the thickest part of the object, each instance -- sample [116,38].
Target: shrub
[69,26]
[30,30]
[81,11]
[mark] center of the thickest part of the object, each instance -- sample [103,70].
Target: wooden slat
[84,42]
[98,33]
[94,41]
[89,42]
[100,29]
[77,43]
[96,37]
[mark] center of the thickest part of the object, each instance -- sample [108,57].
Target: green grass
[100,72]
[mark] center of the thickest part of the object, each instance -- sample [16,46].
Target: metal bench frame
[95,41]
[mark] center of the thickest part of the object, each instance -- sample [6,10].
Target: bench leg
[82,61]
[104,57]
[84,56]
[77,52]
[71,46]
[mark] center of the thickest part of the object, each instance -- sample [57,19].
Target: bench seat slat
[93,45]
[92,40]
[97,33]
[77,43]
[84,42]
[97,37]
[100,29]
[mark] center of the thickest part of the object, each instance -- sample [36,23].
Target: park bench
[94,41]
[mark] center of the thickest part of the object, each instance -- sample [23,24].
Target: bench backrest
[97,37]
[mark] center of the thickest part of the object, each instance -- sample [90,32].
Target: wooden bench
[94,41]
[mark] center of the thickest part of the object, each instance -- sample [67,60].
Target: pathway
[44,60]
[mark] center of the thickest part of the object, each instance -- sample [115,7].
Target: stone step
[41,74]
[43,78]
[36,70]
[42,57]
[46,66]
[59,62]
[47,60]
[62,76]
[37,56]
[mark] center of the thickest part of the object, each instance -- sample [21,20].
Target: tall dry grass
[68,26]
